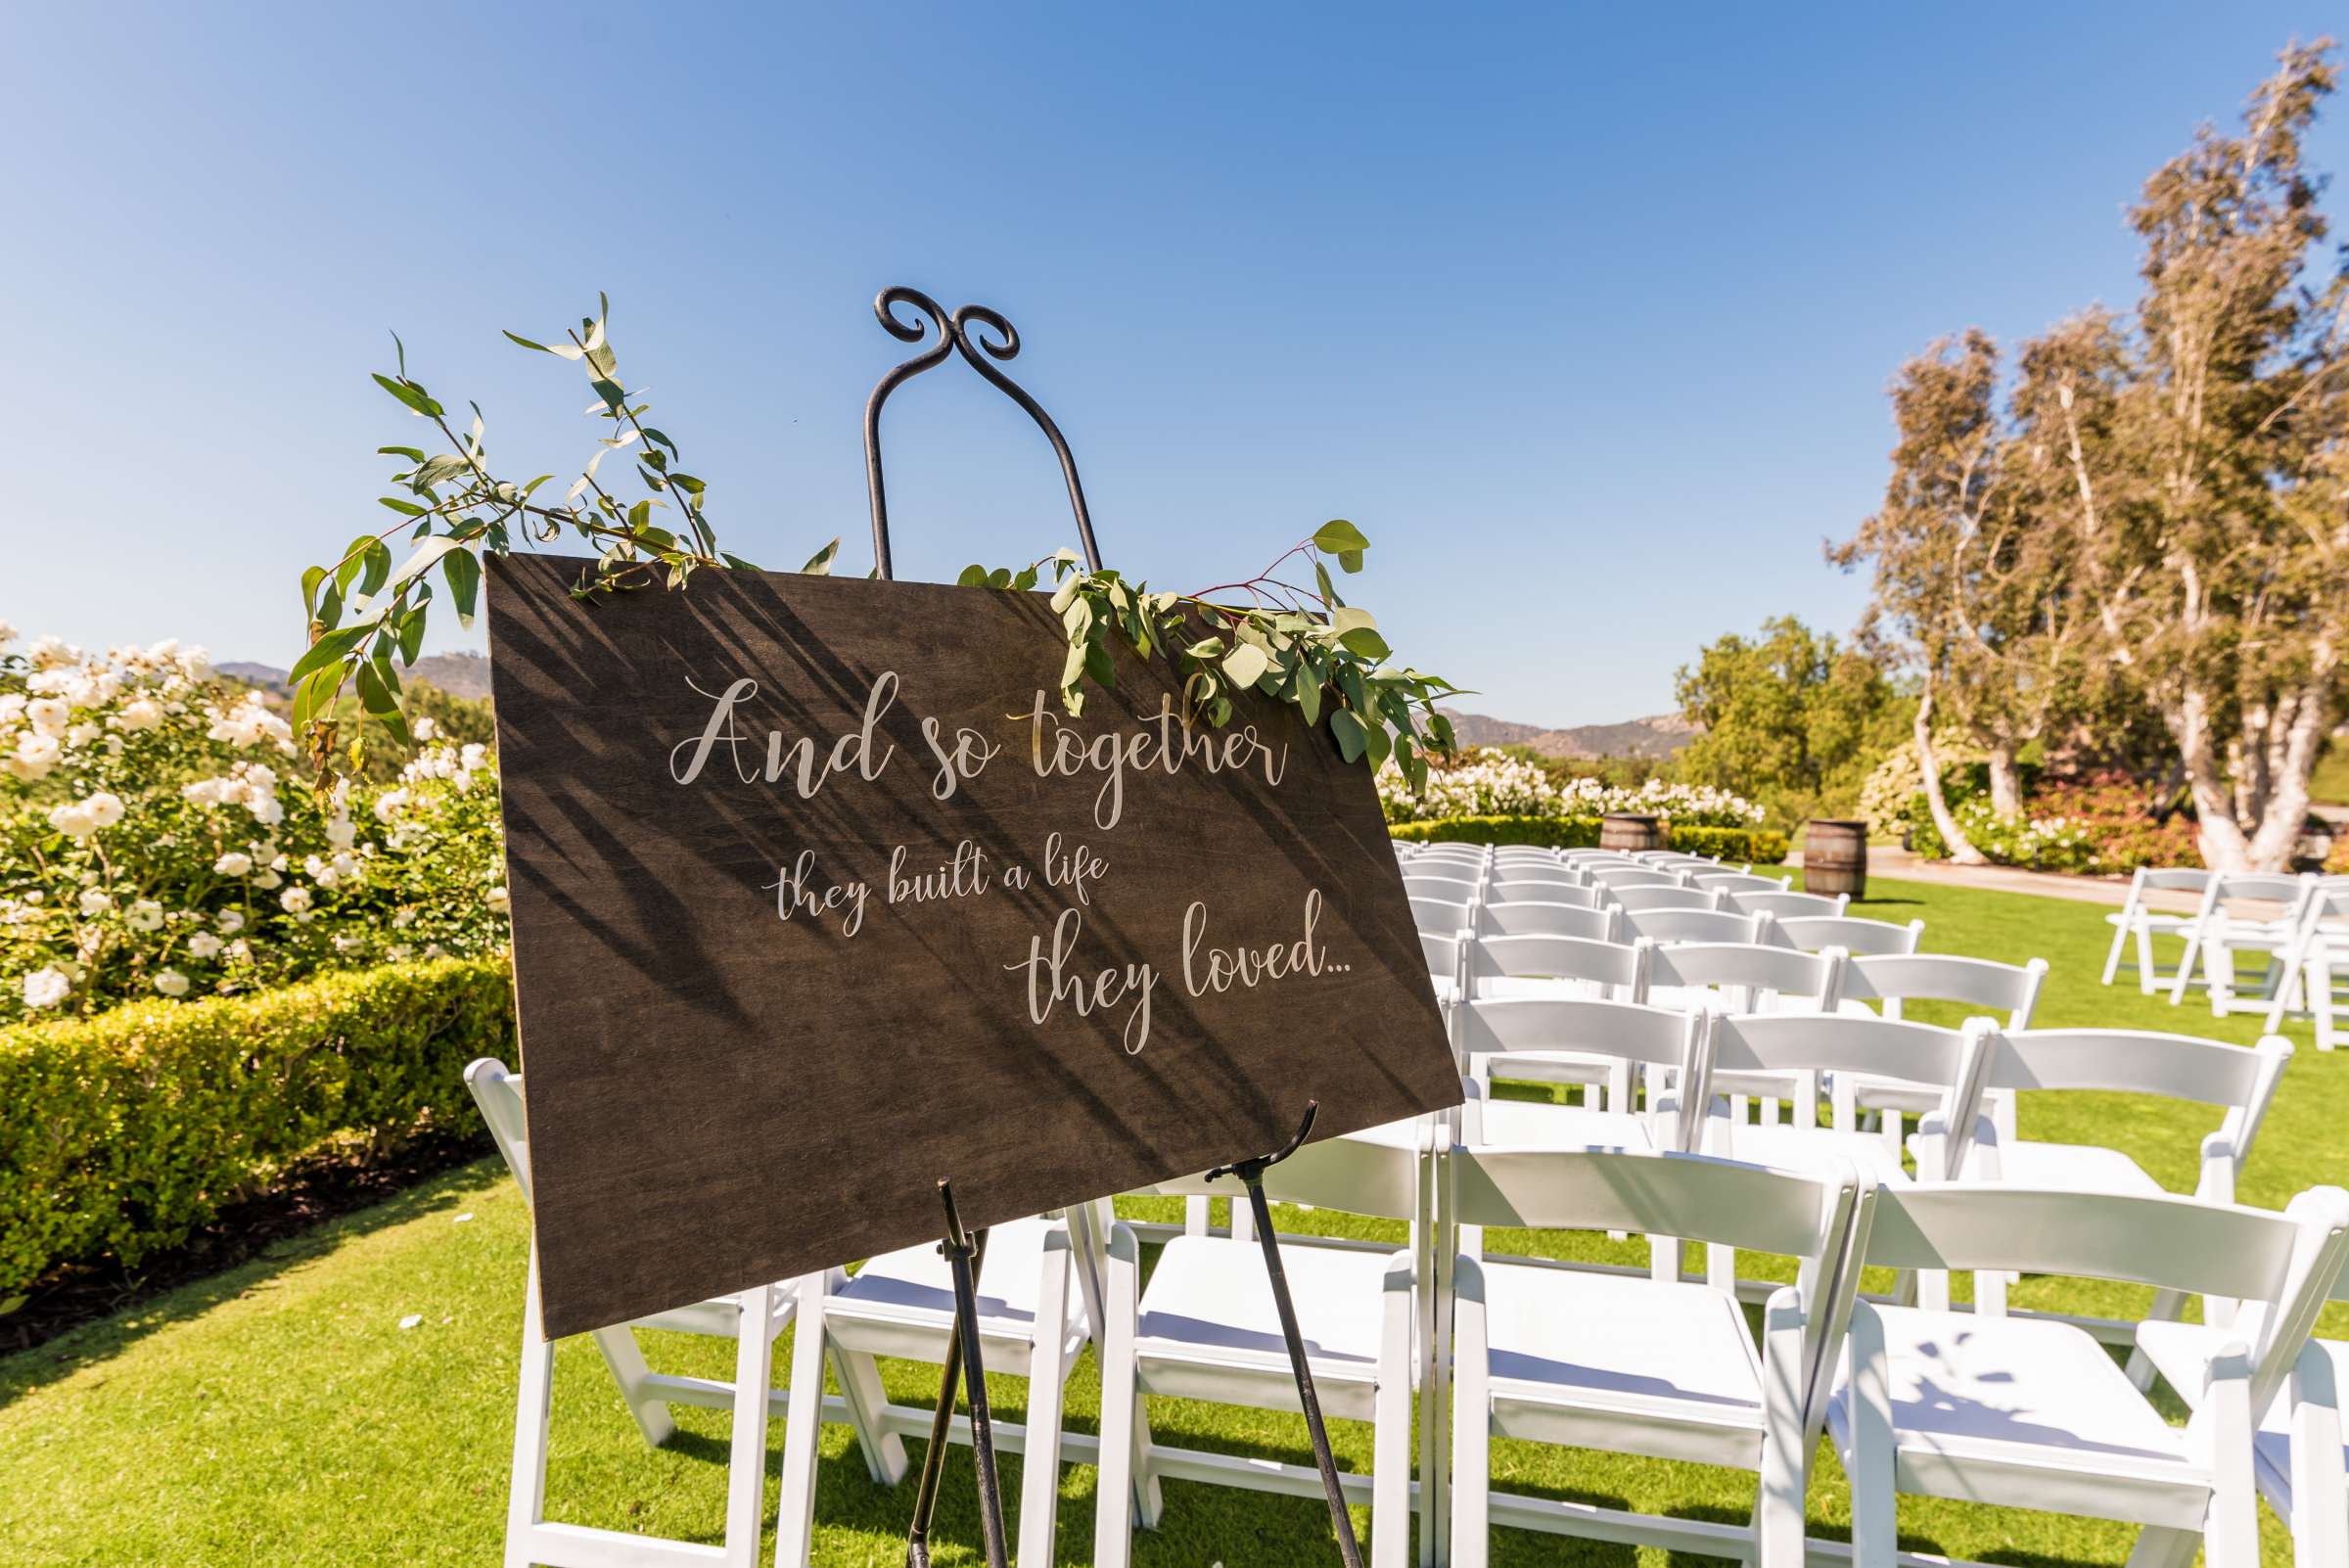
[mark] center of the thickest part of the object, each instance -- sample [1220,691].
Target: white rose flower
[295,899]
[8,634]
[145,915]
[235,863]
[171,983]
[73,819]
[82,734]
[342,832]
[105,809]
[497,899]
[399,953]
[196,665]
[46,988]
[94,901]
[387,804]
[425,728]
[203,945]
[141,713]
[327,877]
[473,756]
[36,755]
[266,880]
[345,863]
[434,950]
[230,921]
[48,715]
[239,950]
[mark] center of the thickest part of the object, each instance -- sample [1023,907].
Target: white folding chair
[1419,882]
[1442,916]
[1205,1328]
[1673,898]
[1474,853]
[1655,1367]
[1501,890]
[752,1319]
[1581,1042]
[1851,933]
[1032,1325]
[1633,875]
[2138,921]
[1891,979]
[1696,925]
[1744,882]
[1784,906]
[2030,1413]
[2309,968]
[1755,1051]
[1526,919]
[1552,967]
[2241,912]
[1744,977]
[1544,871]
[2298,1461]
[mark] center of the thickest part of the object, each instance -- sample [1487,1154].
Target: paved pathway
[1891,860]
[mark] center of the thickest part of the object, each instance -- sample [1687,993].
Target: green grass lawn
[279,1414]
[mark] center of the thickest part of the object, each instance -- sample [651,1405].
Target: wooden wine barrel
[1629,831]
[1835,858]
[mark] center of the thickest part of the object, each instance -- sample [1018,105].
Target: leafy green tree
[1793,719]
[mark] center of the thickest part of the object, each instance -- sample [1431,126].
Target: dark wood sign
[820,897]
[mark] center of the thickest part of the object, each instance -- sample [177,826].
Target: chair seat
[1621,1363]
[2076,1168]
[1208,1328]
[915,1285]
[1807,1148]
[2025,1412]
[1533,1123]
[2181,1354]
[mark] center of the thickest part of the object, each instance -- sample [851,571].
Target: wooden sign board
[820,897]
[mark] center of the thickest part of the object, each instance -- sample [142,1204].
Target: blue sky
[1585,317]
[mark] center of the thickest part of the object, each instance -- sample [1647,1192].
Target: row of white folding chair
[1031,1323]
[1974,1406]
[2309,970]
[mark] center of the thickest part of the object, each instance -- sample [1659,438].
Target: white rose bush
[155,843]
[1488,782]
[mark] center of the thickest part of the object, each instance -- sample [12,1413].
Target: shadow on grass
[28,1371]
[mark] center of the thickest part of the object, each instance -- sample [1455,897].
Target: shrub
[126,1132]
[1488,782]
[1759,846]
[150,844]
[2104,825]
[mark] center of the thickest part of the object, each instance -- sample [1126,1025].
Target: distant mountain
[1658,735]
[460,674]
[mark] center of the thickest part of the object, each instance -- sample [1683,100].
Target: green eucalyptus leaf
[408,392]
[819,565]
[1337,536]
[463,569]
[329,649]
[1352,741]
[1245,663]
[375,567]
[972,576]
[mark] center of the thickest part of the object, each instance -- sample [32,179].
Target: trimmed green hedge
[126,1132]
[1759,846]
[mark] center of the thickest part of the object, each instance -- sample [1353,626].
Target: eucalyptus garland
[366,614]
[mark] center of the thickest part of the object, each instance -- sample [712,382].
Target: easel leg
[963,1256]
[1349,1549]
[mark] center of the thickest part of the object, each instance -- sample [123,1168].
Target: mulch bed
[308,1196]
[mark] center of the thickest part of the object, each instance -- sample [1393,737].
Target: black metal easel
[965,1253]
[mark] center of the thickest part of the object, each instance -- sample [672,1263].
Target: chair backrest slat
[1657,1036]
[2168,1242]
[1639,899]
[1608,964]
[1708,965]
[1851,933]
[1378,1177]
[1697,925]
[1692,1196]
[1530,919]
[1896,978]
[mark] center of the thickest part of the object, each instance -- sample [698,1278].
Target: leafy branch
[1297,644]
[1294,644]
